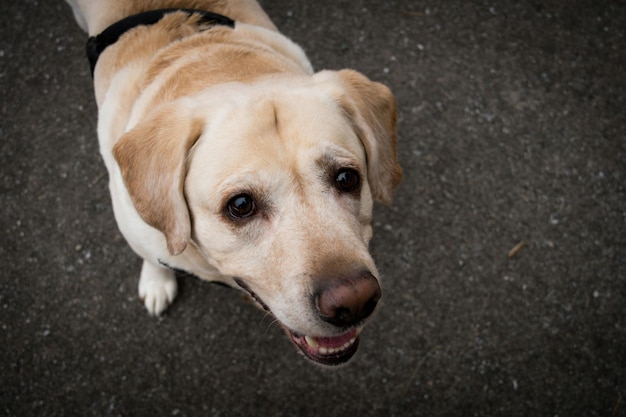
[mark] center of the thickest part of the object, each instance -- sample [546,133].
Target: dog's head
[274,183]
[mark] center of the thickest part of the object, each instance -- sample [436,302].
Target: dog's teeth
[314,344]
[311,341]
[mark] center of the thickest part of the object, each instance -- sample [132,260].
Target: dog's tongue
[331,342]
[336,341]
[333,350]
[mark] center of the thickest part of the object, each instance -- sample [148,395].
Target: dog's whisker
[273,321]
[269,326]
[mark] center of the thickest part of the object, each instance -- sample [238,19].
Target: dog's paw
[157,288]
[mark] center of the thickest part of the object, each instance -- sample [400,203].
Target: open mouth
[325,350]
[333,350]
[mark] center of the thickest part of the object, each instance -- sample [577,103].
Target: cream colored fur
[188,118]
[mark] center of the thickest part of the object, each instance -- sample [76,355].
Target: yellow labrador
[230,159]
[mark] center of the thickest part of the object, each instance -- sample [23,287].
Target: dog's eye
[241,206]
[347,180]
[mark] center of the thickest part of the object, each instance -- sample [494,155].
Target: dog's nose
[347,301]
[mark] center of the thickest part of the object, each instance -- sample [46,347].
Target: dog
[230,159]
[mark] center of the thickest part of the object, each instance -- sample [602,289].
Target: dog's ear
[371,108]
[153,161]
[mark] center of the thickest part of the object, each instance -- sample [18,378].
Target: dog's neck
[97,44]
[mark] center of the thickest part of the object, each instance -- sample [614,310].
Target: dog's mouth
[325,350]
[333,350]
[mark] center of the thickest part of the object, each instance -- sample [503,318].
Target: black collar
[97,44]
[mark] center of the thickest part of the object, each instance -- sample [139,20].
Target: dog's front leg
[157,287]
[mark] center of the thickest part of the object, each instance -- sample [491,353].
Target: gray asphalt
[512,137]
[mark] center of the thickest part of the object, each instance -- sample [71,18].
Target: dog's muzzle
[344,303]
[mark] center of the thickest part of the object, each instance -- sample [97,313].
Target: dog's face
[274,185]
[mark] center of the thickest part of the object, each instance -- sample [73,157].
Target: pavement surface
[512,137]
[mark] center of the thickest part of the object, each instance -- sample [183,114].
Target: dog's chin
[329,351]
